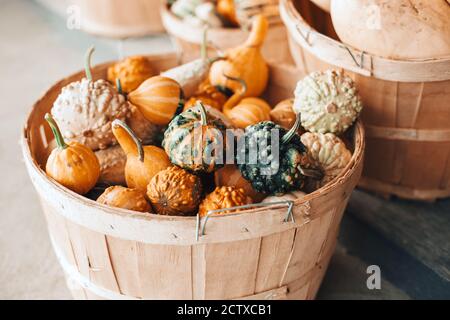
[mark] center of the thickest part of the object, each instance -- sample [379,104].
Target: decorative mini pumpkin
[125,198]
[327,101]
[85,109]
[266,174]
[194,140]
[230,176]
[396,29]
[72,164]
[112,165]
[131,71]
[283,114]
[248,112]
[158,98]
[175,192]
[208,95]
[327,153]
[143,162]
[227,10]
[292,196]
[223,198]
[245,63]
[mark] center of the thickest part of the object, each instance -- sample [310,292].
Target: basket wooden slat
[406,112]
[188,38]
[110,253]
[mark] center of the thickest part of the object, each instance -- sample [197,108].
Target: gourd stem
[136,140]
[236,97]
[204,47]
[87,63]
[290,134]
[204,119]
[119,86]
[241,81]
[56,132]
[258,32]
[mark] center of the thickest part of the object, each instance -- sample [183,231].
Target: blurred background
[41,43]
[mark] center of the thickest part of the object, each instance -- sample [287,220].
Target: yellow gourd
[72,164]
[143,162]
[158,99]
[248,112]
[245,63]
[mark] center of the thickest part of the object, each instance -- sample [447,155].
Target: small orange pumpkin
[208,95]
[223,198]
[131,71]
[72,164]
[230,176]
[175,192]
[283,114]
[143,162]
[248,112]
[158,98]
[125,198]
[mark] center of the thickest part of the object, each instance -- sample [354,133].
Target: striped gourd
[158,98]
[248,112]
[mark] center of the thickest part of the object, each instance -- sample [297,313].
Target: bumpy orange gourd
[223,198]
[248,112]
[283,114]
[230,176]
[132,72]
[208,95]
[245,63]
[158,99]
[125,198]
[175,192]
[72,164]
[143,162]
[227,10]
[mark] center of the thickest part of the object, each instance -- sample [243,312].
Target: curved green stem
[119,86]
[119,123]
[204,47]
[56,132]
[204,119]
[87,63]
[293,131]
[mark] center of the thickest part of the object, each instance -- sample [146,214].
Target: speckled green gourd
[184,146]
[328,102]
[292,155]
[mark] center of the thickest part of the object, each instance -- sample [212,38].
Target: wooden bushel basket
[120,19]
[187,38]
[275,252]
[406,114]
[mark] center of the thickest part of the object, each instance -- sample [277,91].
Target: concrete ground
[36,49]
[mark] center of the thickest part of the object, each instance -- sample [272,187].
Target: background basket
[188,38]
[406,115]
[112,18]
[261,253]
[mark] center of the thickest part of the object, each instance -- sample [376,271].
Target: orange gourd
[175,192]
[230,176]
[227,10]
[223,198]
[248,112]
[283,114]
[208,95]
[143,162]
[245,63]
[158,98]
[72,164]
[125,198]
[132,71]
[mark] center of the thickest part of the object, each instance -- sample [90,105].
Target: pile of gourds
[107,133]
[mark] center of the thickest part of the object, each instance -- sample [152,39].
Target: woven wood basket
[275,252]
[120,19]
[187,38]
[406,115]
